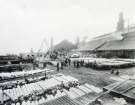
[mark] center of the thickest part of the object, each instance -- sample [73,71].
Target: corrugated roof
[99,41]
[112,41]
[92,45]
[127,43]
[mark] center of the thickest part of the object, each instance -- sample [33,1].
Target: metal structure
[52,91]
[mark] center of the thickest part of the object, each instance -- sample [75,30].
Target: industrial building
[118,44]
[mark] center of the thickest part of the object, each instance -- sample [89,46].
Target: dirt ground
[99,78]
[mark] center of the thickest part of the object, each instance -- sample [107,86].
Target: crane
[41,46]
[43,53]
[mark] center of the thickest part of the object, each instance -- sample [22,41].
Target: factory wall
[116,53]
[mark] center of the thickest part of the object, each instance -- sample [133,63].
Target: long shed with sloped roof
[111,45]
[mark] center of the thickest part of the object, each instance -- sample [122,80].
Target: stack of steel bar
[19,74]
[103,63]
[64,100]
[46,91]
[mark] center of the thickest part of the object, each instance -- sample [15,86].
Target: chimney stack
[120,24]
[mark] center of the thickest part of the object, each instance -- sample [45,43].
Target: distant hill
[64,45]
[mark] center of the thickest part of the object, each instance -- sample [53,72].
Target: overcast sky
[25,23]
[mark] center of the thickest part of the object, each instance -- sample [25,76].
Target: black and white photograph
[67,52]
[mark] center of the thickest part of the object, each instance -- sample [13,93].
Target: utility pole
[51,45]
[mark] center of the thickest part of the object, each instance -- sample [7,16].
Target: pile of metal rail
[19,74]
[103,63]
[53,91]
